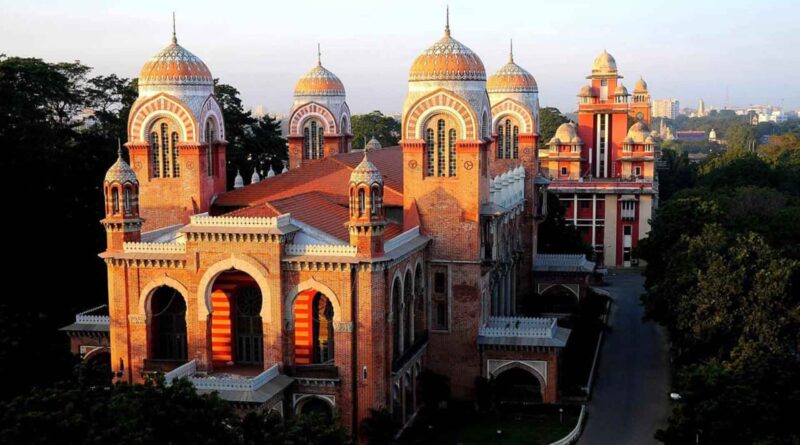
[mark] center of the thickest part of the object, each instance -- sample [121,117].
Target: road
[630,399]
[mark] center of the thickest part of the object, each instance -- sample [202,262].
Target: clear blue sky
[684,49]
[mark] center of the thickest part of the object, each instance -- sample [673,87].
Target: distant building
[701,108]
[690,135]
[259,111]
[712,136]
[668,108]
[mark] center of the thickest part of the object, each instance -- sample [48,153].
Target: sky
[732,52]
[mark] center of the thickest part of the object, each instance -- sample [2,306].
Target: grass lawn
[481,429]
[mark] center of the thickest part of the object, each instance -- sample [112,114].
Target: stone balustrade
[530,327]
[205,220]
[85,317]
[187,369]
[220,383]
[321,250]
[154,247]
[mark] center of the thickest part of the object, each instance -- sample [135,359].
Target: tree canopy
[366,126]
[550,118]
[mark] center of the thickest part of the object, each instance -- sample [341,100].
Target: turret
[121,192]
[367,219]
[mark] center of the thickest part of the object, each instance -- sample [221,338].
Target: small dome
[639,133]
[555,141]
[238,181]
[620,90]
[586,91]
[175,66]
[373,144]
[447,59]
[121,172]
[650,140]
[566,133]
[640,87]
[255,178]
[511,78]
[319,81]
[604,64]
[366,172]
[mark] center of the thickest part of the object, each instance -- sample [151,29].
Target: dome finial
[447,23]
[511,52]
[319,55]
[119,148]
[174,34]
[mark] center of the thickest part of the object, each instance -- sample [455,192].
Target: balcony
[258,388]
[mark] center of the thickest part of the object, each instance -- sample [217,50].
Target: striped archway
[440,100]
[160,105]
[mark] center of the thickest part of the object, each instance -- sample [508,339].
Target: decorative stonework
[343,326]
[137,318]
[321,250]
[179,248]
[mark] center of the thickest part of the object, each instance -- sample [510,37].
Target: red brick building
[602,170]
[331,286]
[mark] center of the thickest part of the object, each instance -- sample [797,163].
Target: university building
[603,169]
[330,287]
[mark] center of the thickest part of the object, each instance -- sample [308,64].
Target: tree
[556,235]
[550,118]
[679,173]
[366,126]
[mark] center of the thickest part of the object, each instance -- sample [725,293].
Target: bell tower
[367,219]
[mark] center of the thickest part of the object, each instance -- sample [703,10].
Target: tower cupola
[367,218]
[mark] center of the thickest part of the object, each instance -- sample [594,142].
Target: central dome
[604,64]
[319,82]
[175,66]
[447,59]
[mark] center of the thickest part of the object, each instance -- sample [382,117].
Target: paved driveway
[630,400]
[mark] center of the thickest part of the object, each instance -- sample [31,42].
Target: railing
[519,327]
[212,383]
[573,435]
[187,369]
[401,239]
[154,247]
[205,220]
[321,249]
[84,318]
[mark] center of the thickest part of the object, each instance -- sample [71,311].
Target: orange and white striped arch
[309,110]
[440,101]
[161,105]
[511,107]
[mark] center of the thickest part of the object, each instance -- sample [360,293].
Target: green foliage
[722,276]
[253,143]
[550,118]
[366,126]
[679,173]
[378,428]
[557,235]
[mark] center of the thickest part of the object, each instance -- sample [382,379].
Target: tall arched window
[440,146]
[164,143]
[507,140]
[313,140]
[115,200]
[373,201]
[515,145]
[362,197]
[210,139]
[500,140]
[126,194]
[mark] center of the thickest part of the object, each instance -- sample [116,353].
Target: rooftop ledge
[523,331]
[233,388]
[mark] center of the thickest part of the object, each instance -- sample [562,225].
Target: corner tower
[176,138]
[121,192]
[367,219]
[319,122]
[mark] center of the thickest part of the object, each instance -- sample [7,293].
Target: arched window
[313,140]
[127,199]
[176,167]
[440,152]
[322,329]
[168,325]
[164,143]
[507,147]
[507,140]
[361,202]
[373,201]
[515,144]
[500,141]
[209,144]
[115,200]
[156,155]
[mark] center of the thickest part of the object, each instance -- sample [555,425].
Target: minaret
[121,191]
[367,219]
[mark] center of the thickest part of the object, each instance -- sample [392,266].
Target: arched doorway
[314,338]
[558,299]
[167,325]
[236,327]
[517,386]
[315,406]
[96,368]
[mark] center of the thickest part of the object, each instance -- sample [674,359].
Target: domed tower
[367,218]
[602,118]
[176,137]
[319,123]
[639,152]
[514,96]
[121,192]
[564,157]
[641,107]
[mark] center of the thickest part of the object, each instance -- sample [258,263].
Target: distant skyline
[684,49]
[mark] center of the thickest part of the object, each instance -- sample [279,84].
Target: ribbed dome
[640,87]
[447,59]
[586,91]
[604,64]
[121,172]
[620,90]
[373,144]
[319,81]
[566,134]
[366,172]
[511,78]
[639,133]
[175,66]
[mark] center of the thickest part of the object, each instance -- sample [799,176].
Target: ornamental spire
[511,52]
[119,148]
[319,55]
[174,34]
[447,23]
